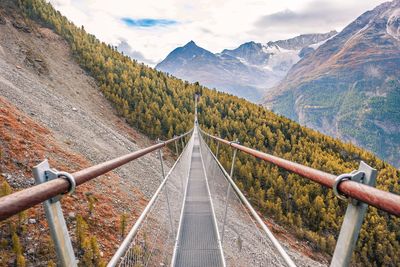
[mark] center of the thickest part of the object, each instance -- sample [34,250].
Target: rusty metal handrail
[380,199]
[27,198]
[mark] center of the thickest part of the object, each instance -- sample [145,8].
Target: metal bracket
[353,218]
[52,174]
[356,176]
[234,142]
[55,218]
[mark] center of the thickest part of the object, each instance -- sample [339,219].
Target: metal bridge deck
[198,243]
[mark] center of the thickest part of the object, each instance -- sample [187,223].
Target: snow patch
[282,61]
[316,45]
[243,61]
[2,54]
[393,24]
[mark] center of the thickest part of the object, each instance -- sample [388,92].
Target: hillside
[246,71]
[50,108]
[160,105]
[349,87]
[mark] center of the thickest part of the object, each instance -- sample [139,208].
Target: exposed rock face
[349,87]
[306,51]
[250,52]
[221,71]
[303,40]
[247,71]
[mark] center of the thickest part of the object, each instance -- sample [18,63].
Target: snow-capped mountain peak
[247,71]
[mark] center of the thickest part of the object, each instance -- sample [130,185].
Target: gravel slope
[39,76]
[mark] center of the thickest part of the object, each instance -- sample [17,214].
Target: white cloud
[212,24]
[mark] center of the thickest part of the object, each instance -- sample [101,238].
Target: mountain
[246,71]
[221,71]
[349,87]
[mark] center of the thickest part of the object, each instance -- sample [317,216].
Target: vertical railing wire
[242,228]
[153,238]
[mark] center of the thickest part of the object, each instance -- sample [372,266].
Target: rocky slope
[246,71]
[49,108]
[349,87]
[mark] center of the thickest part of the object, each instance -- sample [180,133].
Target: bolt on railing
[357,186]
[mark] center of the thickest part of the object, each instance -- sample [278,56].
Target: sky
[148,30]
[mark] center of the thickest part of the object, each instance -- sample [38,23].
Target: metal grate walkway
[198,243]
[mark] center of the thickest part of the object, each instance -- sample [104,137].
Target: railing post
[227,194]
[176,146]
[166,191]
[55,219]
[182,143]
[216,153]
[353,218]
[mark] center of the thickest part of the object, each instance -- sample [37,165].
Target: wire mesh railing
[151,240]
[244,242]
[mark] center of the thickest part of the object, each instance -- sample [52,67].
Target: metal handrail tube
[380,199]
[255,215]
[29,197]
[129,237]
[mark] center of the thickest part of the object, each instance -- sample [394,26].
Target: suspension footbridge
[198,239]
[198,216]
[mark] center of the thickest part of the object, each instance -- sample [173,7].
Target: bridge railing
[151,240]
[357,187]
[52,184]
[246,240]
[380,199]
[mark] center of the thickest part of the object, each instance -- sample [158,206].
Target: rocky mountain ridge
[247,71]
[349,87]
